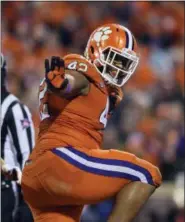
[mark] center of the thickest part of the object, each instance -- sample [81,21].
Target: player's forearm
[69,85]
[74,84]
[64,82]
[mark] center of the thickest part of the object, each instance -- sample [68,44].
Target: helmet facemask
[117,67]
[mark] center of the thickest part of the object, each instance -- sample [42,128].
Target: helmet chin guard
[118,66]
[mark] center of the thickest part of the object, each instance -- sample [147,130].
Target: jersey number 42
[43,105]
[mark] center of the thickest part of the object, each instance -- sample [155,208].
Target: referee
[17,141]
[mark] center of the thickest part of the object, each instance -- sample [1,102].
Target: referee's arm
[21,130]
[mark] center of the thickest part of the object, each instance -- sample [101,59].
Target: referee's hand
[11,173]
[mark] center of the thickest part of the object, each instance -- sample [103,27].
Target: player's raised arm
[65,83]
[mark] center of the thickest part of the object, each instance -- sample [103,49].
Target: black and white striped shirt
[17,131]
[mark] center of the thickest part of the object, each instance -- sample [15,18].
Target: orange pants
[61,181]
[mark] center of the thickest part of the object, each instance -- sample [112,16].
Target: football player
[67,169]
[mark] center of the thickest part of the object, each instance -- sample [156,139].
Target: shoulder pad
[82,65]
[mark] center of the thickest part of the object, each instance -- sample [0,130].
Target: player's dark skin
[133,196]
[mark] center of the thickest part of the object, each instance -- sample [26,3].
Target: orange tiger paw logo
[102,34]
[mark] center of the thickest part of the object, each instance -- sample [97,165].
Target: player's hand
[54,71]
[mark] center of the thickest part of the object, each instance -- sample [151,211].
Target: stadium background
[150,120]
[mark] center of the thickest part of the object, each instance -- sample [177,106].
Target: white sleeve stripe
[21,133]
[14,135]
[9,153]
[31,126]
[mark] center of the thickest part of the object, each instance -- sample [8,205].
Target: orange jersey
[78,122]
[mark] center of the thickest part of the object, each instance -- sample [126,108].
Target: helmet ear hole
[92,49]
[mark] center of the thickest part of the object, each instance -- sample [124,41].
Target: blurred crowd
[150,120]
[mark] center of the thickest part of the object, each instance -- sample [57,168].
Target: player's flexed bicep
[63,82]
